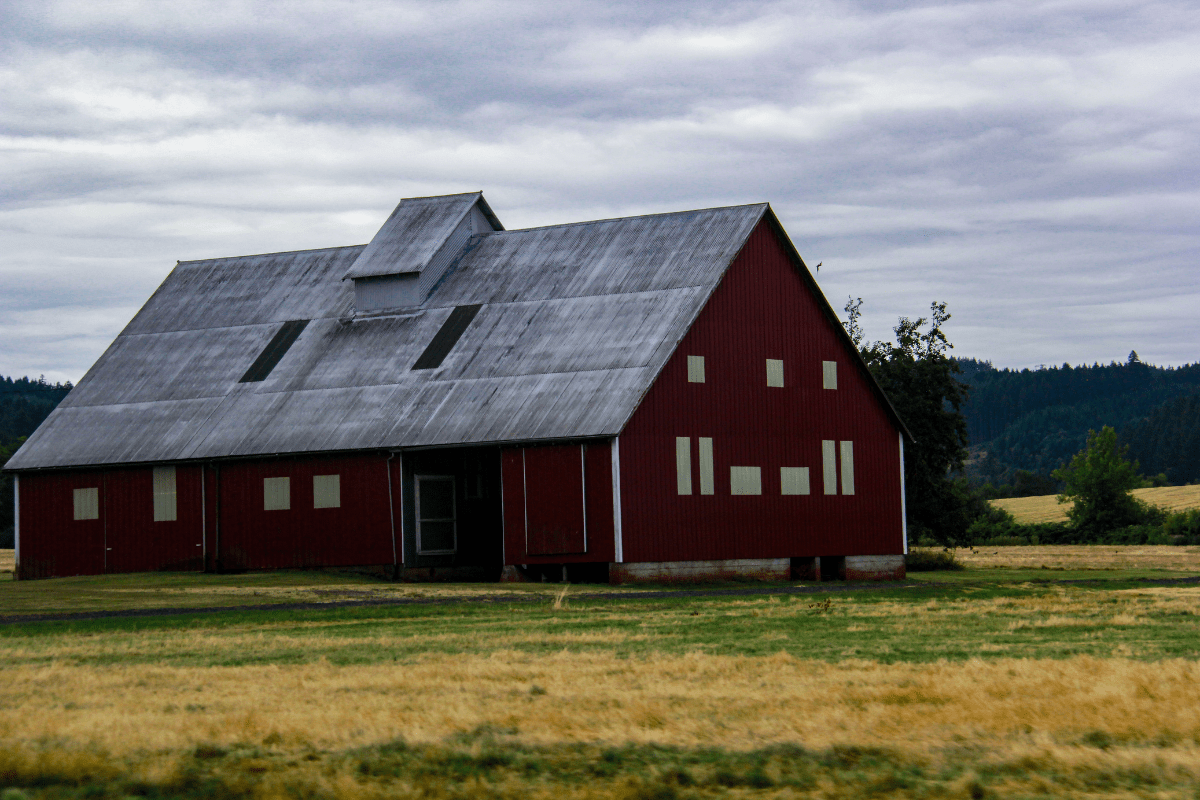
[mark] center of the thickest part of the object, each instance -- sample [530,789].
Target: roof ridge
[274,253]
[632,217]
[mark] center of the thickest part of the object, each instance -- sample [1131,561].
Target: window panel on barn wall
[707,479]
[829,465]
[683,464]
[87,503]
[793,480]
[775,372]
[437,531]
[695,366]
[829,374]
[277,494]
[847,467]
[327,491]
[745,480]
[165,506]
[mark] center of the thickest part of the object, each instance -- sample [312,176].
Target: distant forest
[1035,420]
[24,403]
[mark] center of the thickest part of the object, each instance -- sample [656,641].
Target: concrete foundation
[875,568]
[763,569]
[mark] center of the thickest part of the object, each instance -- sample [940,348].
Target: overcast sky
[1034,164]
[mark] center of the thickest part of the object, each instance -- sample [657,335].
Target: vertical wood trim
[583,490]
[203,521]
[17,525]
[525,499]
[618,543]
[903,497]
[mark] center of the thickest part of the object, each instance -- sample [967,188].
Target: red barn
[658,397]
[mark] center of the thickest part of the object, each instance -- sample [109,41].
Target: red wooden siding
[543,484]
[124,537]
[135,542]
[357,533]
[761,310]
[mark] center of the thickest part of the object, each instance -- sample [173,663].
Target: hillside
[1035,420]
[1046,508]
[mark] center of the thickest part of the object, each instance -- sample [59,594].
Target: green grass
[939,616]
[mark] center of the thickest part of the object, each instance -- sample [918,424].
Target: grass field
[1046,508]
[984,683]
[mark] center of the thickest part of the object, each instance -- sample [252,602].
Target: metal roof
[576,323]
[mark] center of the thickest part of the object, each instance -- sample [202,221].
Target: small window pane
[829,374]
[87,503]
[165,508]
[277,494]
[695,369]
[745,480]
[683,464]
[774,372]
[327,491]
[706,465]
[793,480]
[435,514]
[829,465]
[847,467]
[437,536]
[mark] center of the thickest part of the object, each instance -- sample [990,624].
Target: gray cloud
[1034,164]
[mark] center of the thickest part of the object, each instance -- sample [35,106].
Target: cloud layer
[1033,164]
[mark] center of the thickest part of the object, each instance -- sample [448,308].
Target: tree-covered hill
[1168,440]
[1037,419]
[24,403]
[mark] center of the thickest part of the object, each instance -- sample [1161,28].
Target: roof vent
[414,248]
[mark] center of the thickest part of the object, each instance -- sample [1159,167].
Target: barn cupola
[420,241]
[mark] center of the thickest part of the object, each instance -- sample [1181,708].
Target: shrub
[931,560]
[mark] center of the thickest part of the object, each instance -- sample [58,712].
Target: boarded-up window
[829,374]
[829,465]
[87,503]
[745,480]
[165,508]
[277,494]
[706,466]
[847,467]
[437,531]
[774,372]
[793,480]
[327,491]
[683,464]
[695,369]
[555,510]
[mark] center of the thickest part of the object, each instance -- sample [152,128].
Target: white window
[829,465]
[847,467]
[277,494]
[706,466]
[829,374]
[87,503]
[437,529]
[165,509]
[793,480]
[745,480]
[327,491]
[774,372]
[683,464]
[695,369]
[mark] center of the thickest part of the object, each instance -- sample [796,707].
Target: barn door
[554,504]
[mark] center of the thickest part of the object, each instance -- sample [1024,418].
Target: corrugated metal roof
[576,322]
[413,234]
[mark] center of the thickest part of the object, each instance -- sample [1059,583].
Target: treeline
[1036,420]
[24,403]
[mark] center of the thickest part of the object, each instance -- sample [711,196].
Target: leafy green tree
[1099,480]
[920,379]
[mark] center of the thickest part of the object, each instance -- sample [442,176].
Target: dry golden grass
[1094,556]
[1046,508]
[7,561]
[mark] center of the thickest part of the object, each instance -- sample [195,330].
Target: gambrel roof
[574,322]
